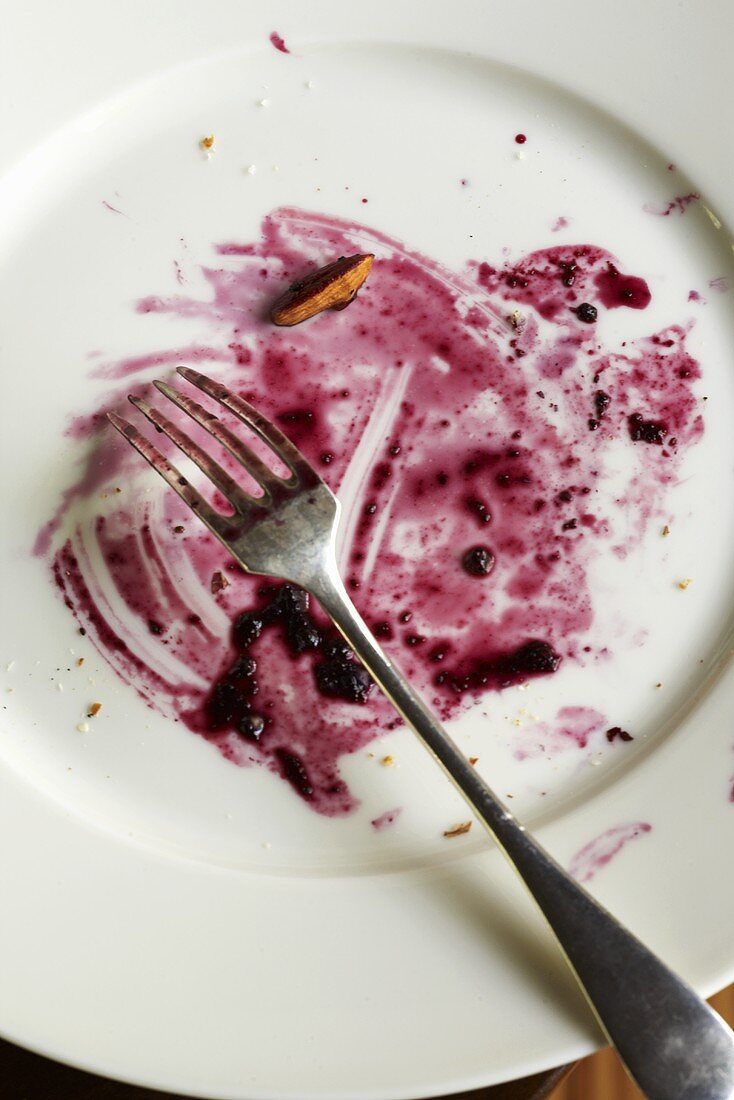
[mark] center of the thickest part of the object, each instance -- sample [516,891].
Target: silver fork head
[289,531]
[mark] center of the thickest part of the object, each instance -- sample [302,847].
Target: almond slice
[331,287]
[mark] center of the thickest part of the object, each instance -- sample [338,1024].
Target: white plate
[170,919]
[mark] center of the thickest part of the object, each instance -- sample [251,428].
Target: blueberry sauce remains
[677,205]
[595,855]
[573,727]
[503,669]
[451,412]
[277,41]
[615,289]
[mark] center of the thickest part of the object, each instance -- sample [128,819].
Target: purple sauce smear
[451,413]
[384,820]
[677,205]
[599,852]
[572,727]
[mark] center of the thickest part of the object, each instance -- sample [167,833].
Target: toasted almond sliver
[331,287]
[458,830]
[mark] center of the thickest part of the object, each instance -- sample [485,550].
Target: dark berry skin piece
[251,726]
[336,649]
[533,658]
[337,675]
[222,705]
[301,634]
[646,431]
[586,313]
[344,680]
[602,401]
[247,629]
[478,561]
[294,771]
[617,732]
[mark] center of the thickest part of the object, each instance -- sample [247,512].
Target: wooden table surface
[26,1076]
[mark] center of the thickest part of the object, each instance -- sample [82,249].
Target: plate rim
[255,21]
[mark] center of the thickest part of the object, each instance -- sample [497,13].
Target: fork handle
[674,1046]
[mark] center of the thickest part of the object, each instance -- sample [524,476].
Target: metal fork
[673,1045]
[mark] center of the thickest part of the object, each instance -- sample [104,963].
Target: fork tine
[167,471]
[259,424]
[236,496]
[208,420]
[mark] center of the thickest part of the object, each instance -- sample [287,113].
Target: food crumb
[685,583]
[665,531]
[10,666]
[251,169]
[458,830]
[218,582]
[207,145]
[59,686]
[263,102]
[79,662]
[473,759]
[83,727]
[387,761]
[659,684]
[94,709]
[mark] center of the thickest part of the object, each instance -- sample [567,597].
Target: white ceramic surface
[173,920]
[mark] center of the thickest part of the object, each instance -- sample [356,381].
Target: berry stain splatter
[455,409]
